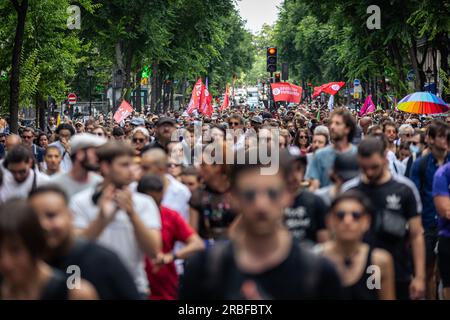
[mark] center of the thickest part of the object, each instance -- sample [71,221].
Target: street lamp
[429,75]
[90,73]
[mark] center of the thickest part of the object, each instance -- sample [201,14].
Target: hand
[124,201]
[250,291]
[65,144]
[161,260]
[108,208]
[417,289]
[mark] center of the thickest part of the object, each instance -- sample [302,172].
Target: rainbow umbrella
[422,103]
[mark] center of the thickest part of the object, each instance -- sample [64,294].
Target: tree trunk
[443,47]
[172,91]
[41,105]
[154,87]
[137,93]
[14,91]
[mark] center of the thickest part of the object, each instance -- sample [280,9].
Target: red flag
[206,102]
[333,87]
[194,103]
[317,91]
[226,100]
[286,92]
[330,88]
[123,112]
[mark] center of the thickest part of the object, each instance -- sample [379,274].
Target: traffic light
[277,77]
[272,54]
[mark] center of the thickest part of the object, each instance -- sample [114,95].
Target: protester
[396,217]
[140,138]
[24,274]
[348,220]
[262,261]
[441,196]
[21,175]
[84,164]
[124,221]
[112,280]
[305,216]
[52,161]
[64,132]
[342,128]
[422,174]
[161,271]
[176,195]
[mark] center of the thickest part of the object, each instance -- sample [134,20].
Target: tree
[21,10]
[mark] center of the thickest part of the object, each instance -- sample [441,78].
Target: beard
[89,166]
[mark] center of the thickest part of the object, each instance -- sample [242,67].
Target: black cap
[164,120]
[346,166]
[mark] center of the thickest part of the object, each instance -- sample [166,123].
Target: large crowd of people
[175,206]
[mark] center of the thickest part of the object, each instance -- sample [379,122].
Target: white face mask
[414,149]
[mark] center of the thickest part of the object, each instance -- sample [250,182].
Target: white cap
[86,140]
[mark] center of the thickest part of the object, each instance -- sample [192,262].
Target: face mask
[414,149]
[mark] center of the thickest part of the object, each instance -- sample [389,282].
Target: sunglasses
[173,165]
[27,137]
[232,124]
[249,195]
[414,143]
[356,215]
[138,140]
[303,137]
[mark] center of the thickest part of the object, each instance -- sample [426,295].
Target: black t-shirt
[214,211]
[102,268]
[302,275]
[399,197]
[306,216]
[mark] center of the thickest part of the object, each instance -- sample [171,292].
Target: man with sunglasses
[236,123]
[28,141]
[165,127]
[262,261]
[20,177]
[422,174]
[396,220]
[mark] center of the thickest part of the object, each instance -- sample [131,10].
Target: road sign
[72,97]
[356,82]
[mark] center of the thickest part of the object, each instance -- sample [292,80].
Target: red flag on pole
[330,88]
[194,103]
[226,99]
[123,112]
[286,92]
[206,102]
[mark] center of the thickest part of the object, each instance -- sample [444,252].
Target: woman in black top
[23,273]
[210,211]
[366,273]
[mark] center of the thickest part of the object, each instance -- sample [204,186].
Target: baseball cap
[138,122]
[257,119]
[164,120]
[86,140]
[346,166]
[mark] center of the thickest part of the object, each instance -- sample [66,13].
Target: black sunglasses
[249,195]
[356,215]
[138,140]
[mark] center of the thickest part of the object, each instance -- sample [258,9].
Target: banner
[194,103]
[226,100]
[286,92]
[123,112]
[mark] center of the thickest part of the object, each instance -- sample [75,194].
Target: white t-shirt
[11,189]
[119,235]
[72,187]
[176,197]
